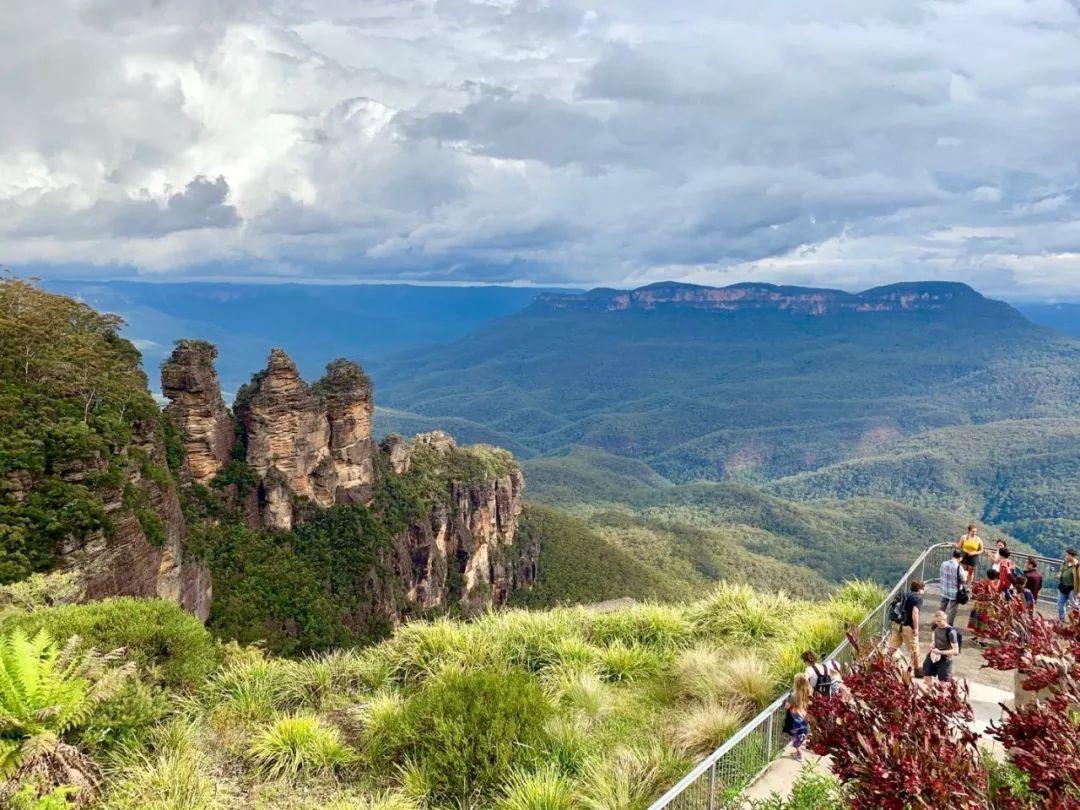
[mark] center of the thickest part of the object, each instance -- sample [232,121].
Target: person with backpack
[972,547]
[1034,577]
[945,646]
[1068,578]
[797,718]
[904,618]
[824,676]
[953,585]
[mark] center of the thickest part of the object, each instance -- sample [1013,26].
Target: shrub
[160,636]
[622,663]
[705,727]
[300,742]
[545,789]
[124,718]
[470,730]
[813,789]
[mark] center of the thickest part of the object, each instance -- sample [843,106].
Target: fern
[46,691]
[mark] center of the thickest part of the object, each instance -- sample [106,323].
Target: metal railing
[720,779]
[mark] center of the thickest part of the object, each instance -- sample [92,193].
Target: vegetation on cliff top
[72,397]
[598,709]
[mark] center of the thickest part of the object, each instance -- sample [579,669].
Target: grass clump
[620,662]
[292,744]
[470,730]
[544,789]
[745,678]
[706,726]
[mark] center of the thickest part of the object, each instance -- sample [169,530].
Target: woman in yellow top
[972,546]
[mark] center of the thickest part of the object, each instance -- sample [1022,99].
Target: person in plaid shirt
[951,575]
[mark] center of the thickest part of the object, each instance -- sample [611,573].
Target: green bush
[159,636]
[471,730]
[813,789]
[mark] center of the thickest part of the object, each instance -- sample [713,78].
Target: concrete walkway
[988,690]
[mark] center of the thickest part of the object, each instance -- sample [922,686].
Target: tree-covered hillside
[749,394]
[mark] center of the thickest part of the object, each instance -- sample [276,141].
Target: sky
[841,143]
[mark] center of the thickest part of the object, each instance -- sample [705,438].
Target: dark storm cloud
[847,142]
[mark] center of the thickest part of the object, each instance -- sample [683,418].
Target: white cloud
[846,143]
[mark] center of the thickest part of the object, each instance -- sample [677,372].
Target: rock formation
[464,549]
[307,442]
[189,381]
[124,561]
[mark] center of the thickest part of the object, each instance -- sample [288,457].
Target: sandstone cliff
[307,443]
[309,447]
[190,382]
[464,548]
[143,551]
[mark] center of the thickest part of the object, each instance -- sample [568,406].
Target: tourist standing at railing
[972,546]
[952,579]
[905,626]
[1034,577]
[1068,578]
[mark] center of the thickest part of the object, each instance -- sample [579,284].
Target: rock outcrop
[463,550]
[137,558]
[311,443]
[190,382]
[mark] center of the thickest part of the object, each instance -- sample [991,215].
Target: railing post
[712,786]
[768,740]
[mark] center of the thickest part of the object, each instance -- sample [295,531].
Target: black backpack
[896,609]
[825,685]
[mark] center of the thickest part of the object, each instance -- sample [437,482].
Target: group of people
[957,577]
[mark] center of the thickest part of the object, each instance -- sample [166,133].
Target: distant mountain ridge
[918,296]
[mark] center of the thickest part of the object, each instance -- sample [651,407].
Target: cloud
[847,143]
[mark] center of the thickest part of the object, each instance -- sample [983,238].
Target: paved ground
[988,689]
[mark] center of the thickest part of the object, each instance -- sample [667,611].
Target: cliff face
[310,447]
[908,297]
[189,381]
[307,442]
[463,550]
[124,561]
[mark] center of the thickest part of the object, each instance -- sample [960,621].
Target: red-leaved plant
[896,744]
[1042,738]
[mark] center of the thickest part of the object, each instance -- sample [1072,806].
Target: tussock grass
[702,729]
[696,673]
[300,742]
[544,789]
[252,688]
[620,662]
[629,778]
[745,678]
[581,691]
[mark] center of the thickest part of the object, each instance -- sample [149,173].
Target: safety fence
[720,779]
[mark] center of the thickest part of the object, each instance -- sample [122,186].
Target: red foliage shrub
[1042,738]
[897,743]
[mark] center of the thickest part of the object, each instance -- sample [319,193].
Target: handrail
[766,720]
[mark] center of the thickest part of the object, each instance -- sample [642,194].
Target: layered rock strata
[124,561]
[190,382]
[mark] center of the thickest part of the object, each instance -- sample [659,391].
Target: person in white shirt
[824,676]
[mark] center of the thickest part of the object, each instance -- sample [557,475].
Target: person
[824,677]
[984,594]
[972,546]
[951,576]
[1005,567]
[944,646]
[1034,577]
[797,722]
[1020,588]
[907,630]
[1068,577]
